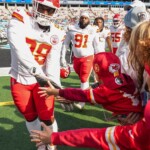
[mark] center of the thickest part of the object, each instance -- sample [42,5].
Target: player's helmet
[65,72]
[116,20]
[41,18]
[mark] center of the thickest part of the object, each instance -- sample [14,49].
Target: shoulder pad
[19,14]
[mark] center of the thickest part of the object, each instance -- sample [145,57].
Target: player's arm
[93,138]
[65,47]
[109,43]
[75,94]
[20,49]
[52,65]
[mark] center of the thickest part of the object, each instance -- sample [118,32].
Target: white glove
[63,62]
[66,105]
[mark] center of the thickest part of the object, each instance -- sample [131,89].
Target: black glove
[95,85]
[43,81]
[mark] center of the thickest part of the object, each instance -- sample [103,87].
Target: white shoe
[42,147]
[51,147]
[79,105]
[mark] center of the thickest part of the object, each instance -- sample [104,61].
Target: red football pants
[29,102]
[83,67]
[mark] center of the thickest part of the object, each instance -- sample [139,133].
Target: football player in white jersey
[117,30]
[102,36]
[82,36]
[35,47]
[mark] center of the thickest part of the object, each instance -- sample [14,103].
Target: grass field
[13,133]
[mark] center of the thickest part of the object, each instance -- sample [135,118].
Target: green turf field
[13,132]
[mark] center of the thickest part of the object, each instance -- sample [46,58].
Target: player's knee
[47,117]
[30,117]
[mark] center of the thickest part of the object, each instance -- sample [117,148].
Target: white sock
[84,85]
[54,128]
[34,125]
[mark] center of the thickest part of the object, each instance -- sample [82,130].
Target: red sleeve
[147,113]
[147,68]
[93,96]
[89,138]
[75,94]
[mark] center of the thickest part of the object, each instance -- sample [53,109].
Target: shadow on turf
[6,87]
[13,133]
[17,138]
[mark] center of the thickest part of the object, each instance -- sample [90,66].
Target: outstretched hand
[131,118]
[66,105]
[41,137]
[47,91]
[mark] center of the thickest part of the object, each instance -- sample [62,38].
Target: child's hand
[41,137]
[48,91]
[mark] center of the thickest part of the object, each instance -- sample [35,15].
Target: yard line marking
[6,103]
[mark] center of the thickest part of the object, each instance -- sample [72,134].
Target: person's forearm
[90,138]
[73,94]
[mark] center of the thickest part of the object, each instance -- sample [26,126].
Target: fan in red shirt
[130,137]
[116,92]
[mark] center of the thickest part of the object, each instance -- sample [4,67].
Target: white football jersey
[123,53]
[116,35]
[33,47]
[100,40]
[82,40]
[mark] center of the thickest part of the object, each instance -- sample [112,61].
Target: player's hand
[66,105]
[63,62]
[41,137]
[43,80]
[48,91]
[131,118]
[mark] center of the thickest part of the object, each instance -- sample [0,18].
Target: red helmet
[116,20]
[65,72]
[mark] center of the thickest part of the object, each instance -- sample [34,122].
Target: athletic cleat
[48,147]
[79,105]
[42,147]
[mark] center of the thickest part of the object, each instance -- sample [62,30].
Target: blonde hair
[127,34]
[139,46]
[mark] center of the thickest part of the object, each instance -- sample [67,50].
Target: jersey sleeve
[65,45]
[19,48]
[88,138]
[89,95]
[52,65]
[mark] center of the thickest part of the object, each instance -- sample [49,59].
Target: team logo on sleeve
[118,81]
[54,39]
[114,67]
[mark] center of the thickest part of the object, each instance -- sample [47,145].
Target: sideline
[4,71]
[6,103]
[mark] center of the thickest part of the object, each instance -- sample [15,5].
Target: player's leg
[22,96]
[45,109]
[114,50]
[84,70]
